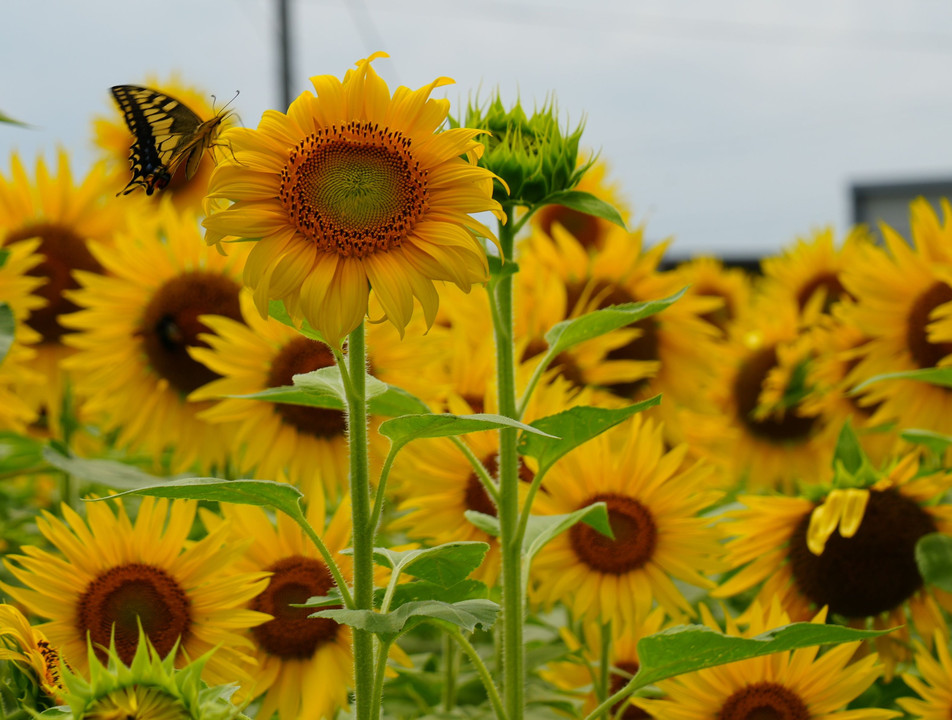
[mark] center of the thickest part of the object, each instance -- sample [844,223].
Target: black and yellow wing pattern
[167,133]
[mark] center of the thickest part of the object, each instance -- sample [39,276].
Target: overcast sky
[732,126]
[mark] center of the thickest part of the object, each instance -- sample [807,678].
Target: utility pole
[284,51]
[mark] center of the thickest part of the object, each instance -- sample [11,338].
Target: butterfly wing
[167,134]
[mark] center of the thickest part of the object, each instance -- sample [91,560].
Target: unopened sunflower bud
[533,156]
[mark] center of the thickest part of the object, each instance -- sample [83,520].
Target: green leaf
[4,255]
[402,430]
[934,559]
[935,442]
[296,396]
[444,565]
[687,648]
[542,528]
[281,496]
[489,524]
[333,597]
[567,333]
[280,313]
[4,118]
[8,327]
[499,269]
[467,614]
[396,401]
[585,203]
[19,452]
[110,473]
[849,453]
[572,428]
[934,376]
[423,590]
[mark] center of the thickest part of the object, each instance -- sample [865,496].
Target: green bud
[532,155]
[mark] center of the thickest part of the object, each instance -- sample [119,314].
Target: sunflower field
[387,410]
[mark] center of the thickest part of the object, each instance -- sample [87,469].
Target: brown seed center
[303,355]
[927,354]
[635,531]
[764,701]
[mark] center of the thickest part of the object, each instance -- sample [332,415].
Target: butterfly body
[167,135]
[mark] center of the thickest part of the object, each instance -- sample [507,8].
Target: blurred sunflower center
[871,572]
[583,227]
[170,325]
[927,354]
[303,355]
[764,701]
[63,251]
[618,681]
[126,595]
[635,531]
[476,498]
[354,190]
[563,363]
[292,634]
[829,283]
[748,384]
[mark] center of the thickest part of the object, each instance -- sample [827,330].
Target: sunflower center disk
[354,190]
[636,536]
[872,572]
[127,595]
[303,355]
[764,701]
[749,382]
[63,251]
[292,634]
[927,354]
[170,325]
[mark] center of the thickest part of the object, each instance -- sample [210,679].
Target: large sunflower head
[136,327]
[108,576]
[353,191]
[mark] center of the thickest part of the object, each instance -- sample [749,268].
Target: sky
[732,127]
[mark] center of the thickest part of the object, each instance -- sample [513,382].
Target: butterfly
[167,134]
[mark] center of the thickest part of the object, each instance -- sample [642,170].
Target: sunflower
[28,648]
[113,138]
[306,445]
[579,676]
[304,663]
[903,303]
[353,190]
[797,684]
[654,500]
[134,331]
[64,216]
[810,272]
[933,684]
[752,425]
[865,571]
[111,574]
[709,277]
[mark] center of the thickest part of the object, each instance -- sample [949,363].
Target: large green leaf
[934,559]
[8,327]
[687,648]
[569,429]
[392,402]
[111,473]
[467,614]
[585,203]
[424,590]
[567,333]
[281,496]
[444,565]
[402,430]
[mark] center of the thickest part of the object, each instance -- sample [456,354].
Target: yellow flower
[798,684]
[111,574]
[353,191]
[135,329]
[305,664]
[655,503]
[865,570]
[933,683]
[26,645]
[708,277]
[903,306]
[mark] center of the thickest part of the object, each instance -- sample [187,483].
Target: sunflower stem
[513,595]
[604,680]
[364,680]
[481,670]
[450,672]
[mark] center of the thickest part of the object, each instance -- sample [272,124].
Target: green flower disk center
[354,190]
